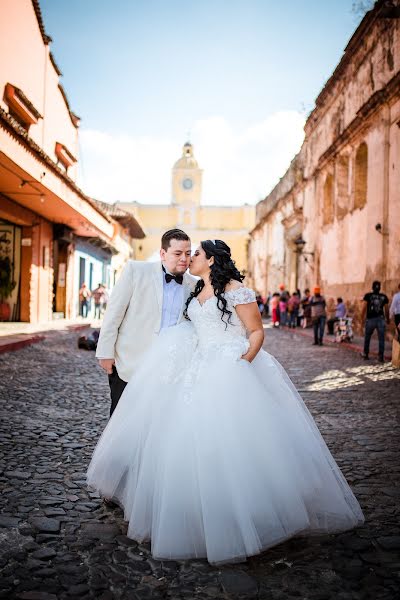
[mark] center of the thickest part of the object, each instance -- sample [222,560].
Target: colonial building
[229,223]
[334,218]
[52,236]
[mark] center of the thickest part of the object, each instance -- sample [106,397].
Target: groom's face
[176,258]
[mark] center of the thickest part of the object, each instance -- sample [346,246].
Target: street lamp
[300,244]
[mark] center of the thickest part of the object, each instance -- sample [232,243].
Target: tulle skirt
[211,456]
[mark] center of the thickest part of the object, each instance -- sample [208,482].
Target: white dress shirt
[395,306]
[172,302]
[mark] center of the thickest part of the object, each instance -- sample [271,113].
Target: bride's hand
[251,319]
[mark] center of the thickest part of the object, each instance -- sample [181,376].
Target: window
[328,207]
[342,186]
[20,107]
[361,176]
[64,156]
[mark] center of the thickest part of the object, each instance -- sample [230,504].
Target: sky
[236,77]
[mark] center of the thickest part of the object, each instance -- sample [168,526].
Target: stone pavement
[58,541]
[357,343]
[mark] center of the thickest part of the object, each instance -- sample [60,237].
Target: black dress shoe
[365,356]
[315,343]
[381,359]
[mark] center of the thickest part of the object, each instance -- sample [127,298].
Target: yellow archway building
[229,223]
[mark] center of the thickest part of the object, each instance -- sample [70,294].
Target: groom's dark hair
[173,234]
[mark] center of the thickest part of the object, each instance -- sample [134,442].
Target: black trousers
[117,386]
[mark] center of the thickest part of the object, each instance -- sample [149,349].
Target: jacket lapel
[186,293]
[158,284]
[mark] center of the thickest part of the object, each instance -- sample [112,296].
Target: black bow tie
[169,277]
[177,278]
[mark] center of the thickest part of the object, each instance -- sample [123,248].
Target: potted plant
[6,287]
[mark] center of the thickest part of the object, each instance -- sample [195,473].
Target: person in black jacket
[374,312]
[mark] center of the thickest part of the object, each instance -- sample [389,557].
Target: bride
[211,451]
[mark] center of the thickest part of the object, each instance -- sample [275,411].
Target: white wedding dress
[212,456]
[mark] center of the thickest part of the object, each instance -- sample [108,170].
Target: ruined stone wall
[343,189]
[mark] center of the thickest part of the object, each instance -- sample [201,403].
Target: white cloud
[239,166]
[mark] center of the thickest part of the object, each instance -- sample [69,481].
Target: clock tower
[186,179]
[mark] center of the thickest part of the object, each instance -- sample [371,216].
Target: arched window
[328,208]
[342,186]
[361,176]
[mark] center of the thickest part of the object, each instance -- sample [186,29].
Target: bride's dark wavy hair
[223,270]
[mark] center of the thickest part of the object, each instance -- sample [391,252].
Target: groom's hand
[107,364]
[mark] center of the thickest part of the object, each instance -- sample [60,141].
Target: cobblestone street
[58,540]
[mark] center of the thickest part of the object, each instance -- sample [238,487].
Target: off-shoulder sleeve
[242,295]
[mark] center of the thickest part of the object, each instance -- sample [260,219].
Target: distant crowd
[290,310]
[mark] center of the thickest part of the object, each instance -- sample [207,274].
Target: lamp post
[300,245]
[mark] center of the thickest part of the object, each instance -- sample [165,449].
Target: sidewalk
[14,336]
[357,345]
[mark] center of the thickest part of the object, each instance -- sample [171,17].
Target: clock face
[187,183]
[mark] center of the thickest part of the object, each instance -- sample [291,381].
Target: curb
[14,342]
[10,346]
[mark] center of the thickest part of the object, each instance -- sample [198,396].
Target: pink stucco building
[334,218]
[53,234]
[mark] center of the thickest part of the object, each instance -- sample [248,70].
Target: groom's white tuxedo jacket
[133,316]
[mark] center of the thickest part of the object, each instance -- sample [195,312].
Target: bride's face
[199,263]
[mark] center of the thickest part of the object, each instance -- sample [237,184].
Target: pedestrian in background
[306,307]
[340,313]
[293,309]
[275,309]
[100,300]
[84,300]
[374,312]
[283,303]
[394,311]
[318,315]
[260,304]
[267,301]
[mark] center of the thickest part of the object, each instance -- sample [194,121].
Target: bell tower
[186,179]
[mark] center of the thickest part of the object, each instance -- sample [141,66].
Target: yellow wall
[228,223]
[231,224]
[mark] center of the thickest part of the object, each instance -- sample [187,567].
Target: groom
[146,298]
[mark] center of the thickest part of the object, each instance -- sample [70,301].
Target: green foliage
[6,283]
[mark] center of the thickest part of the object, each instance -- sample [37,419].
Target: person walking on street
[100,300]
[394,311]
[306,306]
[374,312]
[283,304]
[275,309]
[293,309]
[318,316]
[260,304]
[340,313]
[84,300]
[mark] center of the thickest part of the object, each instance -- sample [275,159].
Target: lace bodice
[211,330]
[204,339]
